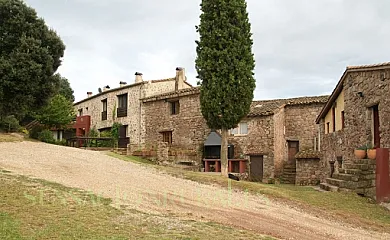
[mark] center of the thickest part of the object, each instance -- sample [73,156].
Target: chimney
[138,77]
[105,88]
[121,84]
[89,94]
[180,78]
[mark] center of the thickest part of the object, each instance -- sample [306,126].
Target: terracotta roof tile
[308,154]
[267,107]
[179,93]
[385,64]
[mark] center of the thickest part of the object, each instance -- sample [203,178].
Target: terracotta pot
[360,154]
[371,153]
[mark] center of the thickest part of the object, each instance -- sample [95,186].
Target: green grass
[5,137]
[37,209]
[347,207]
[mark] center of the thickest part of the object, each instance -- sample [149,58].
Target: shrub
[9,124]
[107,134]
[24,130]
[60,142]
[46,136]
[35,131]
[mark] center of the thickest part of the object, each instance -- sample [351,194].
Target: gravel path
[148,190]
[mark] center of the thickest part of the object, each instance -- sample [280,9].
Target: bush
[46,136]
[102,143]
[9,124]
[60,142]
[35,131]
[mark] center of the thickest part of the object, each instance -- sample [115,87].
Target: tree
[30,53]
[58,113]
[63,87]
[225,65]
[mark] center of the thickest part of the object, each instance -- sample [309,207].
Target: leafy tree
[63,87]
[115,132]
[225,65]
[30,53]
[58,113]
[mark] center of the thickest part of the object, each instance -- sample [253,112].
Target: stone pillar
[162,152]
[382,175]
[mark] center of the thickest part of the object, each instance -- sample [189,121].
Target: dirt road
[148,190]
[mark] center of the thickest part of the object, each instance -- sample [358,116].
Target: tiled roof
[385,64]
[267,107]
[179,93]
[308,154]
[124,87]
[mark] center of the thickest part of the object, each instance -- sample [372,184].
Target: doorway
[293,149]
[375,116]
[123,140]
[256,168]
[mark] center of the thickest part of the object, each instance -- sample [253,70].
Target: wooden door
[123,140]
[293,149]
[377,138]
[256,169]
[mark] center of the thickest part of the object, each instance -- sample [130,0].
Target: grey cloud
[301,47]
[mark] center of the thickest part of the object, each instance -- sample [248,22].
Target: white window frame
[238,131]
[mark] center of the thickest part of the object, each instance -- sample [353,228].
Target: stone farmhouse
[123,105]
[282,126]
[357,113]
[162,119]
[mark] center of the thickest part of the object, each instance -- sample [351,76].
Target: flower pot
[371,153]
[360,154]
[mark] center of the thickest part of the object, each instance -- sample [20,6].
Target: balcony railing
[121,112]
[104,115]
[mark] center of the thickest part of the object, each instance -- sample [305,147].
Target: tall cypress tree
[225,65]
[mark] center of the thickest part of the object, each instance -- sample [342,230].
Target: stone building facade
[262,135]
[357,113]
[104,107]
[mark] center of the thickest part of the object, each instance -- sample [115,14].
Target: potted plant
[371,152]
[360,152]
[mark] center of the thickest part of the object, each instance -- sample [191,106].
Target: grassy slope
[36,209]
[347,207]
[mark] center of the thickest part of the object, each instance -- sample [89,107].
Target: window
[342,120]
[241,129]
[167,137]
[174,107]
[327,127]
[80,112]
[122,105]
[104,112]
[334,119]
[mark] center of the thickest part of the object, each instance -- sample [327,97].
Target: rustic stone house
[357,113]
[123,105]
[268,138]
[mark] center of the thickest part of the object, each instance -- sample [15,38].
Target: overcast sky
[301,47]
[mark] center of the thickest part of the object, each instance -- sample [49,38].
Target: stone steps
[346,177]
[358,177]
[289,174]
[329,187]
[363,167]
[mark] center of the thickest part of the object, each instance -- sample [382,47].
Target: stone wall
[258,141]
[374,84]
[308,168]
[301,124]
[280,150]
[189,129]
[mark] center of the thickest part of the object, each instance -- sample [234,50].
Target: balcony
[121,112]
[104,115]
